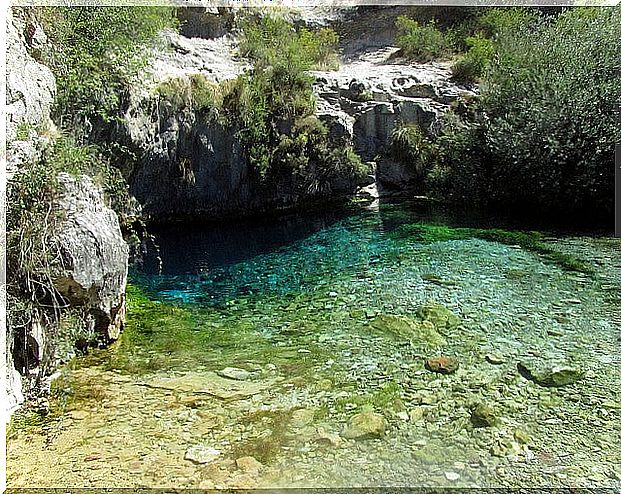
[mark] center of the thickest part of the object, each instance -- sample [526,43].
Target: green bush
[273,105]
[421,42]
[472,65]
[271,40]
[96,51]
[493,21]
[547,125]
[410,146]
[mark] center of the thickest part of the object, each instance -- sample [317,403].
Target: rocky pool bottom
[358,356]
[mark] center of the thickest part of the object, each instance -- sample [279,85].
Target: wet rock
[248,464]
[405,416]
[442,365]
[481,415]
[437,280]
[416,414]
[452,476]
[78,414]
[234,373]
[201,454]
[328,439]
[301,418]
[521,436]
[439,316]
[366,425]
[404,327]
[550,376]
[494,359]
[209,383]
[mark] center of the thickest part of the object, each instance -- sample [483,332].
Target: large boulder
[94,255]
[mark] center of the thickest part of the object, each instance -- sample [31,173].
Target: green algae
[530,241]
[387,396]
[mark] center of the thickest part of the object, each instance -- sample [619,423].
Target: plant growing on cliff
[97,50]
[273,105]
[421,42]
[411,147]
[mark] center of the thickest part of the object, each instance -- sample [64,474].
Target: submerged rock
[234,373]
[366,425]
[442,365]
[208,383]
[494,359]
[439,316]
[201,454]
[302,417]
[248,464]
[328,439]
[403,327]
[550,376]
[482,415]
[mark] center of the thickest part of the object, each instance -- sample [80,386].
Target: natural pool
[250,350]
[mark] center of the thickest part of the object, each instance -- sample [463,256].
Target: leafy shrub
[472,65]
[97,50]
[547,121]
[421,42]
[493,21]
[273,105]
[271,40]
[410,146]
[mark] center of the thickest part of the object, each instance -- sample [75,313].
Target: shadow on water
[211,263]
[197,248]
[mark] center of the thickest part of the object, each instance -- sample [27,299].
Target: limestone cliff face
[189,167]
[92,272]
[372,94]
[30,92]
[190,164]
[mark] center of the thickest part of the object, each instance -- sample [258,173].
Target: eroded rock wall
[91,272]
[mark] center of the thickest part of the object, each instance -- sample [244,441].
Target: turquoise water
[212,263]
[329,316]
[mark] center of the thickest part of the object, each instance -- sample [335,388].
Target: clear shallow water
[295,303]
[211,263]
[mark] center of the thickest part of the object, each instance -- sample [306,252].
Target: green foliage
[273,106]
[22,132]
[195,93]
[97,50]
[411,146]
[546,125]
[273,41]
[31,220]
[472,65]
[421,42]
[494,21]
